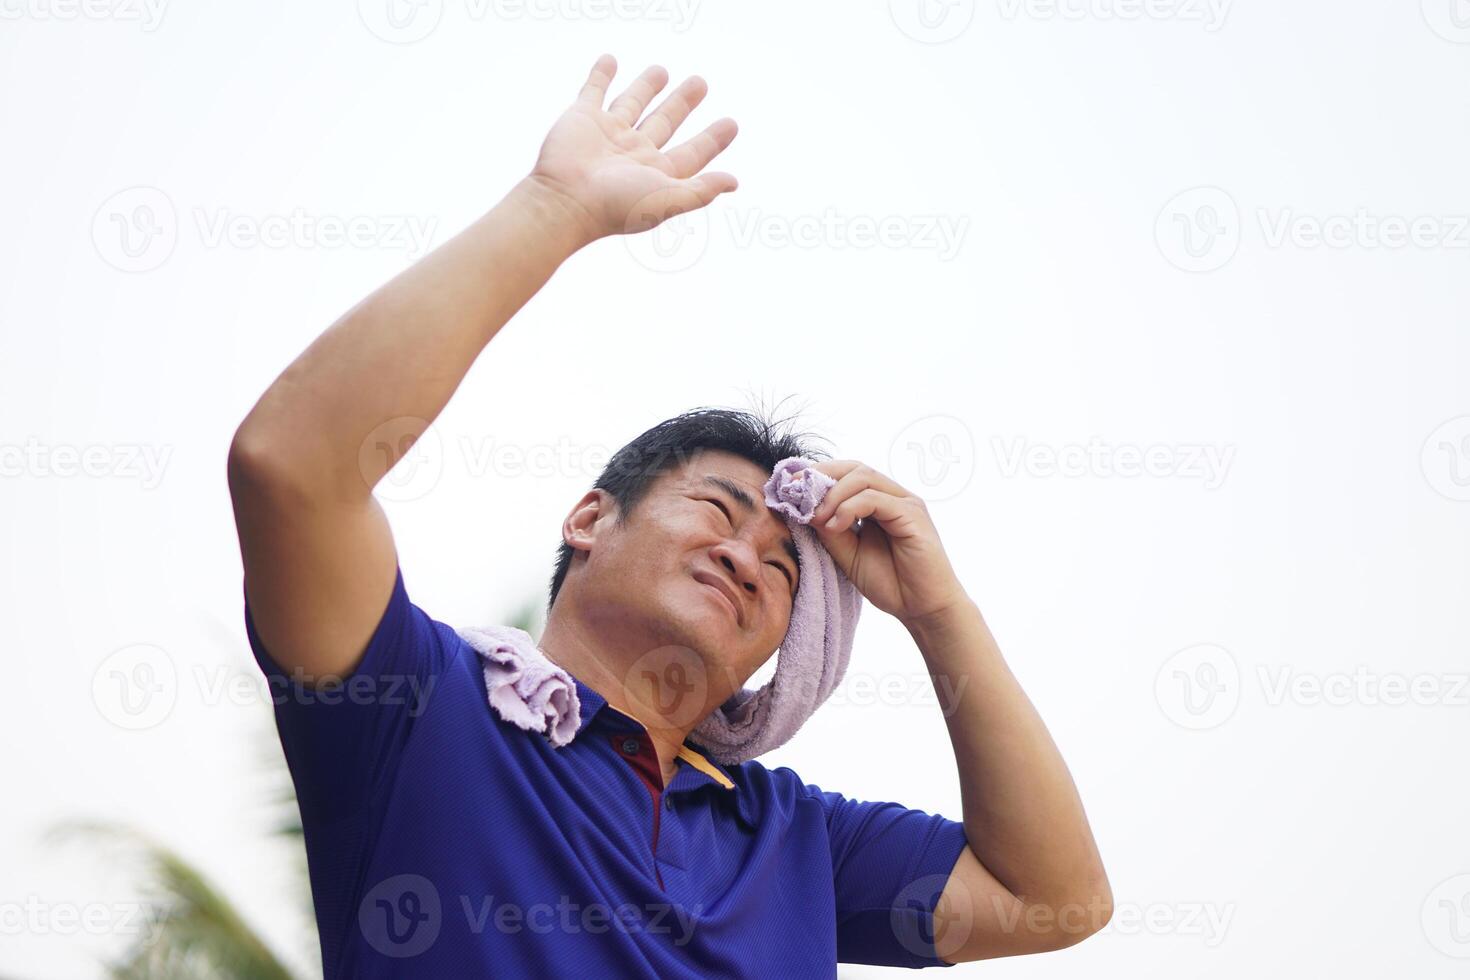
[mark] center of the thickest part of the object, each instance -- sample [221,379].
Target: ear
[591,516]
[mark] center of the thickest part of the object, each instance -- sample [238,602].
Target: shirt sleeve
[889,865]
[343,742]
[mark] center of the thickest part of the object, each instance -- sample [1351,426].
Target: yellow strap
[705,766]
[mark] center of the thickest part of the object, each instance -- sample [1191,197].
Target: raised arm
[318,554]
[1031,878]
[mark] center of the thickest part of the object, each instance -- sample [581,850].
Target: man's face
[701,562]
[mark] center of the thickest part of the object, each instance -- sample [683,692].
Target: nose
[739,559]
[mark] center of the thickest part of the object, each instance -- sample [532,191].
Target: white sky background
[1255,830]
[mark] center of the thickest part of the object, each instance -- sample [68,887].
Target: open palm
[612,169]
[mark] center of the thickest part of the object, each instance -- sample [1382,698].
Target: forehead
[706,468]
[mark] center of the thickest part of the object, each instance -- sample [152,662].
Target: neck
[599,658]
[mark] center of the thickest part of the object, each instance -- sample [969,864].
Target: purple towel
[528,690]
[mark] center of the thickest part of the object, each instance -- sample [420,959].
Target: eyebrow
[747,504]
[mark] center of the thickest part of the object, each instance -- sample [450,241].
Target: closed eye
[790,581]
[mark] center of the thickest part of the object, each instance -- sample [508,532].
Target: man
[443,841]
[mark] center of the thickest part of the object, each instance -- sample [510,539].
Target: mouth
[724,597]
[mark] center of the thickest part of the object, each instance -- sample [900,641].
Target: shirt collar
[701,768]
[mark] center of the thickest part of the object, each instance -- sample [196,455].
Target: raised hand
[610,169]
[885,542]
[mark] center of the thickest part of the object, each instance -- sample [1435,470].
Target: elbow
[251,460]
[259,468]
[1084,913]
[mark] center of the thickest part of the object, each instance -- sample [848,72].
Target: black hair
[673,442]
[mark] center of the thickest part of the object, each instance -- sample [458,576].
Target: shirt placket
[667,842]
[636,748]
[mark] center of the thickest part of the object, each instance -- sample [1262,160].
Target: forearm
[1023,817]
[402,351]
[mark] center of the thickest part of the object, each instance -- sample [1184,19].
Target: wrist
[944,622]
[554,211]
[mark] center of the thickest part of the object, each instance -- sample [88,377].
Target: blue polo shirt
[443,841]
